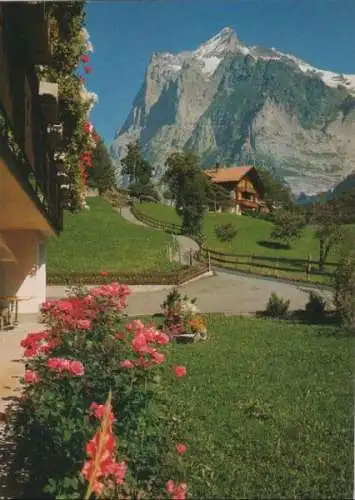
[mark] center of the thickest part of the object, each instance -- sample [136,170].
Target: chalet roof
[228,174]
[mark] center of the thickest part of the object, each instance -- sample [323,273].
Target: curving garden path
[184,243]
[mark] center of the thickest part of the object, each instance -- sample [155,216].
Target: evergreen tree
[135,166]
[139,172]
[102,175]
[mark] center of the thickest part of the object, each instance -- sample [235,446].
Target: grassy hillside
[252,233]
[99,239]
[253,238]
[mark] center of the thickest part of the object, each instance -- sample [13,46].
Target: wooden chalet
[244,185]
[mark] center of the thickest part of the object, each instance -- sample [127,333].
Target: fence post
[308,267]
[209,260]
[190,256]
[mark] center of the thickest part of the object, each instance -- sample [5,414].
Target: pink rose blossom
[76,368]
[177,492]
[61,365]
[170,486]
[126,363]
[158,357]
[139,343]
[53,363]
[163,338]
[181,448]
[31,377]
[84,324]
[180,370]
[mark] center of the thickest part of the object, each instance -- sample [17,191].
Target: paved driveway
[227,293]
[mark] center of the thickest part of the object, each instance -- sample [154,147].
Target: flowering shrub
[86,351]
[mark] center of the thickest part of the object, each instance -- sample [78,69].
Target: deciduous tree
[288,226]
[328,230]
[275,190]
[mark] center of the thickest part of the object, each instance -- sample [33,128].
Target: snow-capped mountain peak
[212,52]
[218,44]
[329,78]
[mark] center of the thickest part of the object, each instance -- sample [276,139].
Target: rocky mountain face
[236,104]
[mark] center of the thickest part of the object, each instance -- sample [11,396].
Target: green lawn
[99,239]
[250,240]
[267,408]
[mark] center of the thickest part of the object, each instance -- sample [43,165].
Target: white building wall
[26,279]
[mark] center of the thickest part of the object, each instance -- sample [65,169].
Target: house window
[246,195]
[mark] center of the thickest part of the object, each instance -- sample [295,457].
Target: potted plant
[181,320]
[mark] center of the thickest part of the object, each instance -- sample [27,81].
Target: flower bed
[144,278]
[86,352]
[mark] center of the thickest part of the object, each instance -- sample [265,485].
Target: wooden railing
[265,265]
[168,227]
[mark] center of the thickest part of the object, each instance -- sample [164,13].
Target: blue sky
[126,33]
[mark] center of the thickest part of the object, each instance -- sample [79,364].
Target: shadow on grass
[329,318]
[274,245]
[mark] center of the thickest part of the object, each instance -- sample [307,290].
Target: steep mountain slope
[233,103]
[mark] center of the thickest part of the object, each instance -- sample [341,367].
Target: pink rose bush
[86,351]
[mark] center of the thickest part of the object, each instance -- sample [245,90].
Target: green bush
[315,307]
[226,232]
[276,307]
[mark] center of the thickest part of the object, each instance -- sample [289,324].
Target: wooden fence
[285,267]
[271,266]
[168,227]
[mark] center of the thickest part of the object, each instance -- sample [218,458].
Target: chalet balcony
[249,204]
[25,149]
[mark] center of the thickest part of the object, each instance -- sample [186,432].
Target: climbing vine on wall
[70,48]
